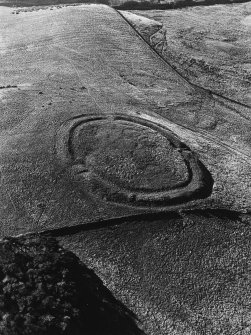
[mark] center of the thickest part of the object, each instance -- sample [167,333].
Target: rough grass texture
[165,5]
[44,289]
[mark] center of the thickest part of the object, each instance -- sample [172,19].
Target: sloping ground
[45,290]
[166,4]
[181,275]
[210,46]
[53,78]
[121,4]
[68,89]
[32,3]
[145,26]
[50,76]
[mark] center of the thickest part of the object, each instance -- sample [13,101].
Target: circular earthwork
[130,160]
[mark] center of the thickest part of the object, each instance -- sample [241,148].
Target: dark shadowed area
[186,273]
[46,290]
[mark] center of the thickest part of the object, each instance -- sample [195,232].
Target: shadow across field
[61,295]
[145,218]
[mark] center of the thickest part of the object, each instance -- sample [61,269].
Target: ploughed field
[131,157]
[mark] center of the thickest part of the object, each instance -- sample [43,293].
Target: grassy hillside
[91,114]
[123,4]
[166,4]
[210,46]
[29,3]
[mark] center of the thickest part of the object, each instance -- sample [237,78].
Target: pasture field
[127,138]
